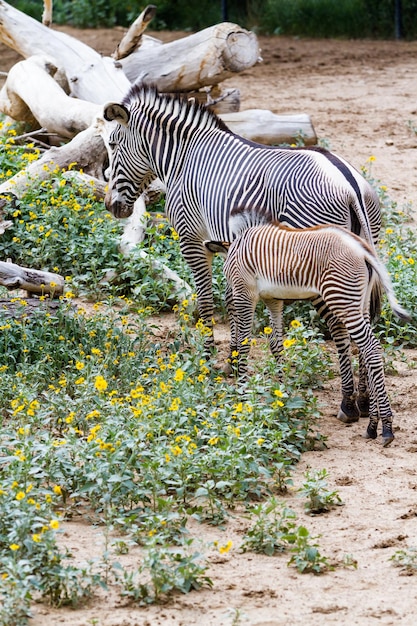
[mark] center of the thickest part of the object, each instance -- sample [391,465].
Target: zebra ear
[215,247]
[118,112]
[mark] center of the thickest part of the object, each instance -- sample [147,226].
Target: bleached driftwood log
[14,276]
[132,39]
[263,126]
[205,58]
[30,94]
[86,150]
[87,74]
[47,12]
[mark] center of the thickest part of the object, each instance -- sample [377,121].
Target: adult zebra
[208,170]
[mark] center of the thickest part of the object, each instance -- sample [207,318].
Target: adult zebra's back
[208,170]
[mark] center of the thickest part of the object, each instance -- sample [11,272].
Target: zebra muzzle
[117,208]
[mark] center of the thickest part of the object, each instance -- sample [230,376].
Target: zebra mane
[147,96]
[242,218]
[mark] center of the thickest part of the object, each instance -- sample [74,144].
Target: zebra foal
[274,263]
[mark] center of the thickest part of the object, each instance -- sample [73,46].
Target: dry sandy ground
[360,95]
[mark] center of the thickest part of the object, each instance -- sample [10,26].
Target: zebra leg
[349,411]
[379,405]
[363,392]
[231,312]
[245,311]
[199,260]
[275,308]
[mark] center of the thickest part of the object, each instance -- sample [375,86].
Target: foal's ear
[220,247]
[116,112]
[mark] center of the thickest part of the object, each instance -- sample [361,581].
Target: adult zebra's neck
[167,124]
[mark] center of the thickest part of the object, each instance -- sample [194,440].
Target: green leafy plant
[406,560]
[306,555]
[319,498]
[166,570]
[268,535]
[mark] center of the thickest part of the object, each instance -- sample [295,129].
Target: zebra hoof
[347,419]
[371,431]
[387,435]
[348,412]
[363,406]
[387,440]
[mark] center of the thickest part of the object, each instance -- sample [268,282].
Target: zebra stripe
[275,263]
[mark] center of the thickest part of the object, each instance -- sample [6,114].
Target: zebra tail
[375,305]
[360,223]
[385,284]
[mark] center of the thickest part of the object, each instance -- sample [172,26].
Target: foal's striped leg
[275,308]
[379,405]
[245,304]
[348,411]
[231,313]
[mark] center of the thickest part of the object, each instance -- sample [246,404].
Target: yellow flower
[179,375]
[175,404]
[57,490]
[14,547]
[295,324]
[260,441]
[36,538]
[278,393]
[226,548]
[288,343]
[100,383]
[54,524]
[371,159]
[411,261]
[20,495]
[79,365]
[268,330]
[389,231]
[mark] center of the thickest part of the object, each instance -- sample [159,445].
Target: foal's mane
[147,96]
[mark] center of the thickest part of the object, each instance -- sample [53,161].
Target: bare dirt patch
[361,96]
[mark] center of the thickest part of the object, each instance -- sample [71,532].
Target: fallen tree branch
[88,75]
[47,12]
[30,94]
[14,276]
[205,58]
[133,37]
[86,150]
